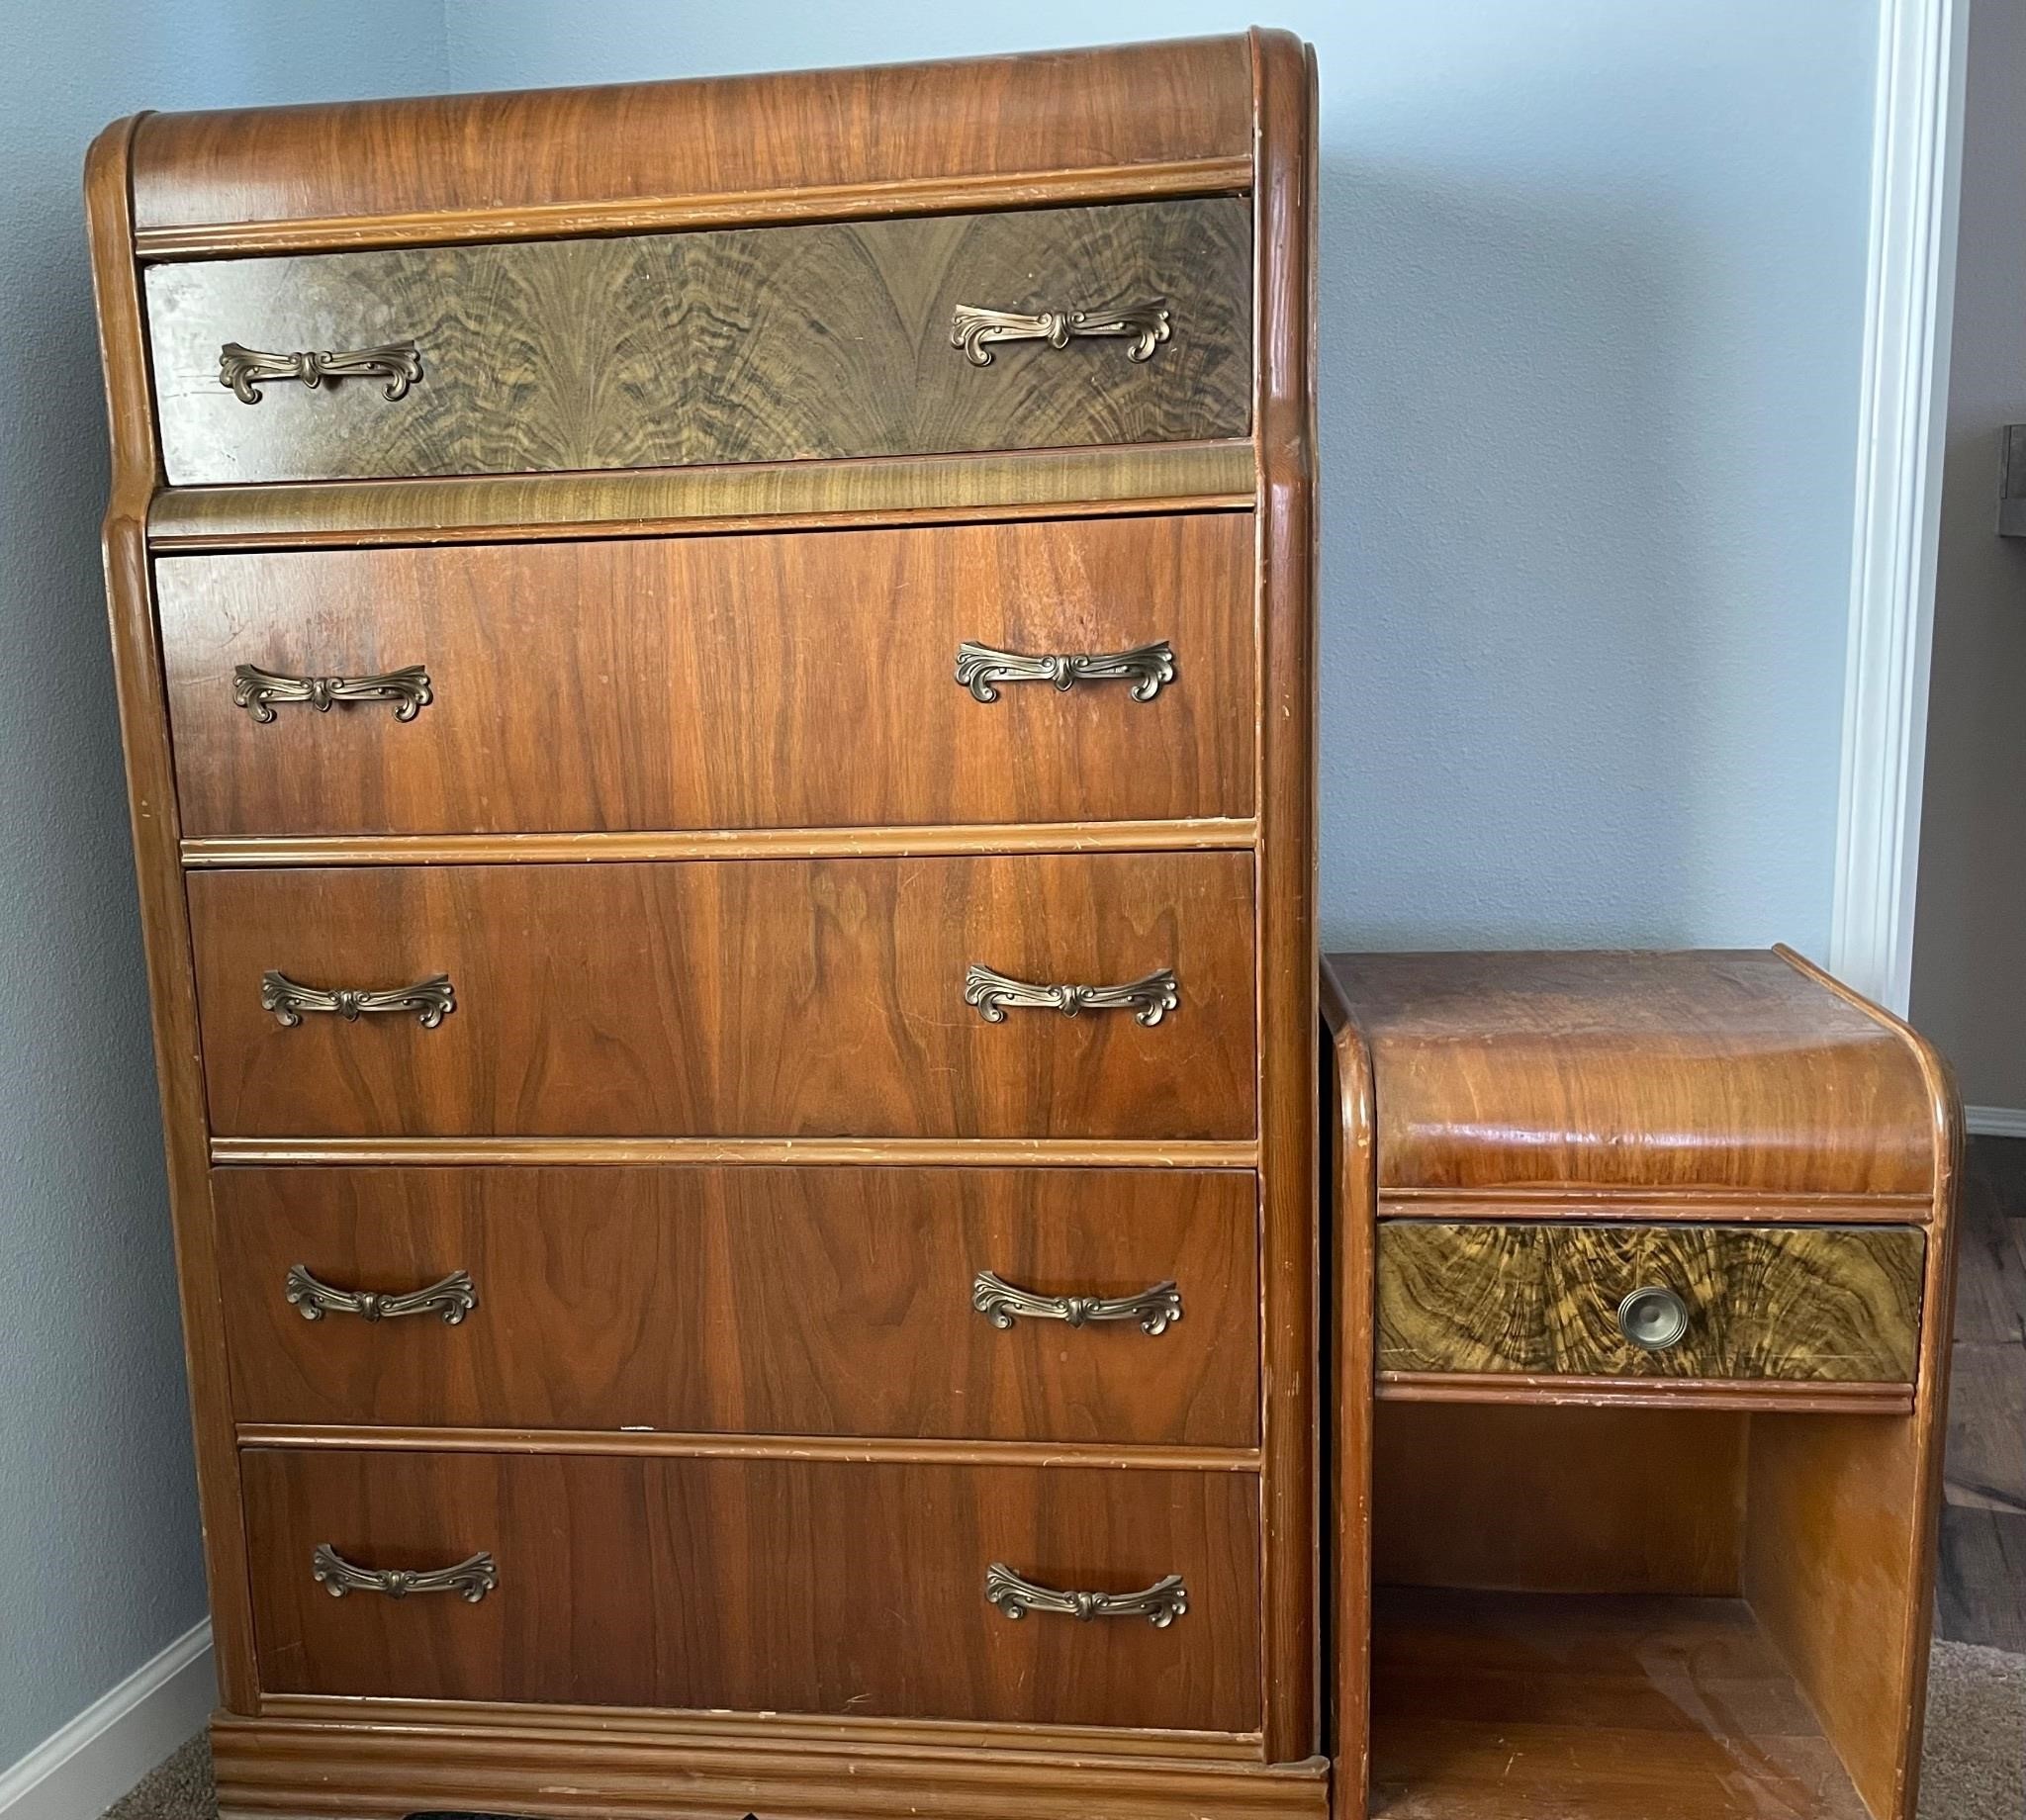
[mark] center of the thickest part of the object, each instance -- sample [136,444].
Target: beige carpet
[1974,1769]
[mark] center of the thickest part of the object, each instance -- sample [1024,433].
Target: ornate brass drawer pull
[1002,1303]
[1149,999]
[471,1578]
[1653,1319]
[256,691]
[431,1000]
[974,329]
[454,1298]
[1146,666]
[1159,1604]
[244,370]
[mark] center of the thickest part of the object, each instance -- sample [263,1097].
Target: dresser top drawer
[840,339]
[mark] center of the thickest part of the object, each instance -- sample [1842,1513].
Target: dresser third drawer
[745,1585]
[1072,670]
[1069,1304]
[1104,995]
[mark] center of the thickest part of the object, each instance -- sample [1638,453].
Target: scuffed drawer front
[1066,1305]
[1823,1304]
[860,997]
[1032,329]
[1072,670]
[745,1585]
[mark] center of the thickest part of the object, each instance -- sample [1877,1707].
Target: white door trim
[1909,294]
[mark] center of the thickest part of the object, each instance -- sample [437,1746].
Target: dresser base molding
[393,1759]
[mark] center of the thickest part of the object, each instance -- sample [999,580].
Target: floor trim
[83,1767]
[1995,1120]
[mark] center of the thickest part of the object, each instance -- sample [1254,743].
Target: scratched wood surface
[733,998]
[1840,1304]
[586,686]
[763,1301]
[727,345]
[761,1585]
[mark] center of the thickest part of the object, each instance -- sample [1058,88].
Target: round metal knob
[1653,1319]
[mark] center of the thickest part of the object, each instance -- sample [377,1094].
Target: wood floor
[1981,1590]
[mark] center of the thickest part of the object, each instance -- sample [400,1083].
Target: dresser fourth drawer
[1070,1305]
[1027,329]
[1096,995]
[1067,669]
[760,1584]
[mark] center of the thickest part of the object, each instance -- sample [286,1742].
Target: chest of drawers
[719,696]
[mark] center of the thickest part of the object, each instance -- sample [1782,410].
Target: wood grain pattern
[1735,1069]
[756,344]
[1069,110]
[394,1758]
[765,1301]
[583,686]
[1604,1500]
[733,998]
[853,1153]
[1816,1303]
[1505,1709]
[1283,244]
[707,501]
[760,1586]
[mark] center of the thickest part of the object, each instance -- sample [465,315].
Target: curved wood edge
[165,917]
[391,1760]
[645,1445]
[954,1152]
[1197,835]
[1793,1398]
[845,494]
[1284,430]
[1352,1182]
[1931,1392]
[1704,1205]
[1178,177]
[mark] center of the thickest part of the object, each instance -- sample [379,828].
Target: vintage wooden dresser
[1648,1260]
[717,685]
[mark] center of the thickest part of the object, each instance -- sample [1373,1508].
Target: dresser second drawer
[861,997]
[1066,670]
[760,1584]
[1070,1305]
[1808,1302]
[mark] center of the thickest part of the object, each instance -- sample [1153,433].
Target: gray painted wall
[99,1563]
[1970,923]
[1591,309]
[1591,303]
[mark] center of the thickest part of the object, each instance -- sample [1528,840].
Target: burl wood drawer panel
[763,1301]
[1825,1304]
[732,345]
[761,1585]
[786,680]
[731,998]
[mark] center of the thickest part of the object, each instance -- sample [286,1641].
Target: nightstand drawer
[1041,995]
[1030,328]
[1063,1305]
[760,1584]
[1798,1303]
[1074,669]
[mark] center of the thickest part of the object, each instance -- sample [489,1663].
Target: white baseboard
[1977,1121]
[80,1770]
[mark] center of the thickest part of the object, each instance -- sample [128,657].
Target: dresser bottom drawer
[744,1585]
[1820,1304]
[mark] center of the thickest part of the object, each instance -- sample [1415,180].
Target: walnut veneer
[727,852]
